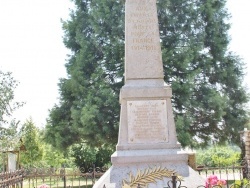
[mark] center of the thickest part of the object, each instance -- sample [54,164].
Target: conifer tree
[34,151]
[208,97]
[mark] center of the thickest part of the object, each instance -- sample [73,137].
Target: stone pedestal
[150,164]
[147,152]
[146,120]
[147,140]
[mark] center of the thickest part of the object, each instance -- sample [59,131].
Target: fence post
[64,178]
[93,180]
[22,175]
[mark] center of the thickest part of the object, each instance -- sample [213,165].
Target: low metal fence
[73,178]
[226,173]
[51,177]
[61,177]
[11,179]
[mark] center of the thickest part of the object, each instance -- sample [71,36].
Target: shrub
[216,156]
[85,156]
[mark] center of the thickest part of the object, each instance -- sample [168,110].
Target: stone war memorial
[147,153]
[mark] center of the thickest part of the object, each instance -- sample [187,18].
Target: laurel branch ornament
[149,176]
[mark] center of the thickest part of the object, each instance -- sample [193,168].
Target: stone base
[126,163]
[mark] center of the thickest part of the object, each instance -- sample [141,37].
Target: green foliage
[7,105]
[9,141]
[38,153]
[199,68]
[9,137]
[52,157]
[103,156]
[34,151]
[216,156]
[208,97]
[8,126]
[89,107]
[240,183]
[85,156]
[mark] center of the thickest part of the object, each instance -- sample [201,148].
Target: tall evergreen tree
[34,151]
[89,108]
[206,79]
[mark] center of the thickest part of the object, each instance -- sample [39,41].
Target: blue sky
[31,48]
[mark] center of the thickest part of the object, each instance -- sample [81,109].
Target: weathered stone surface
[143,52]
[168,134]
[131,162]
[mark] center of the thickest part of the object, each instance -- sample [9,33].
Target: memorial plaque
[147,122]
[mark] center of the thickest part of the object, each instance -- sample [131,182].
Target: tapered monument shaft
[143,59]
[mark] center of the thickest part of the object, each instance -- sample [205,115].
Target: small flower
[43,186]
[213,180]
[221,182]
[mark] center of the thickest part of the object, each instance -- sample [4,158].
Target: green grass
[59,183]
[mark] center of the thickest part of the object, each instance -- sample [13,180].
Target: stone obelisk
[147,150]
[146,113]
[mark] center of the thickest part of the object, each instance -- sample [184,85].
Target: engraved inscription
[141,20]
[147,48]
[143,40]
[147,122]
[142,48]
